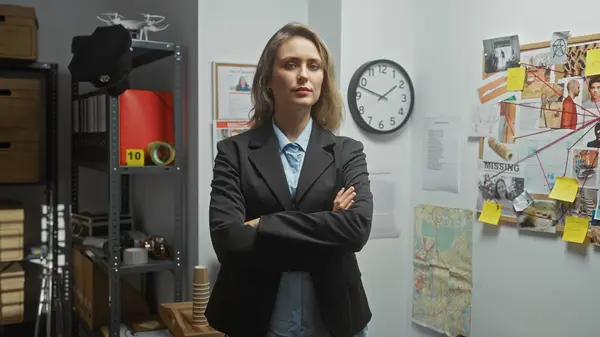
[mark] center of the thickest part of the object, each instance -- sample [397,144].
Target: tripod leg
[40,305]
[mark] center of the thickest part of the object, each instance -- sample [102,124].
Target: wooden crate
[18,33]
[12,218]
[91,293]
[21,125]
[12,293]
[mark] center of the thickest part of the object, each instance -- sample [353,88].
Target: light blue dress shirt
[296,312]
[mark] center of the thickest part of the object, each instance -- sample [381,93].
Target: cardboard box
[18,33]
[12,293]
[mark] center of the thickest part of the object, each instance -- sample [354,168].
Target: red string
[508,121]
[548,109]
[570,147]
[596,119]
[548,68]
[561,94]
[536,133]
[543,172]
[548,145]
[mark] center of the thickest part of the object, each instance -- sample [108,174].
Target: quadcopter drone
[138,28]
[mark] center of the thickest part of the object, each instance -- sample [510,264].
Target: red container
[144,116]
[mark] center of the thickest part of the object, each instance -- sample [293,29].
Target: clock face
[380,96]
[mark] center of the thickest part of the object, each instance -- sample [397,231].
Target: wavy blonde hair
[327,111]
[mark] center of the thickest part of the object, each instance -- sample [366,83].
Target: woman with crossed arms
[288,264]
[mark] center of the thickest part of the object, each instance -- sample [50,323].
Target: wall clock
[381,96]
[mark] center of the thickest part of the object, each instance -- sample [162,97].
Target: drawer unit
[12,219]
[12,290]
[21,125]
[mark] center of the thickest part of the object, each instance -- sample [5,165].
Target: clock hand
[382,97]
[372,92]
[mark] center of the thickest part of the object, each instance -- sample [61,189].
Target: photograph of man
[569,109]
[596,142]
[593,103]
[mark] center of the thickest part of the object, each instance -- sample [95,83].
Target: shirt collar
[302,140]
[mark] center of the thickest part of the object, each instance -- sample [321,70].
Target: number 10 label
[134,157]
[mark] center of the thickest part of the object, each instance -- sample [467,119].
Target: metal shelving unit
[100,151]
[53,215]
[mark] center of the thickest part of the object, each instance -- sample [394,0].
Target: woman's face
[297,74]
[242,81]
[501,188]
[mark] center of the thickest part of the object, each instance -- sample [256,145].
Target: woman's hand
[253,222]
[344,198]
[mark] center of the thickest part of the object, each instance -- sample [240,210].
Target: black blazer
[300,234]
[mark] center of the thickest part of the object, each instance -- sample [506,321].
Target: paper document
[484,120]
[383,189]
[559,45]
[441,154]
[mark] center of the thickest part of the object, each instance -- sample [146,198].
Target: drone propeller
[113,14]
[149,16]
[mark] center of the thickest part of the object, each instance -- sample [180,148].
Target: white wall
[372,30]
[524,285]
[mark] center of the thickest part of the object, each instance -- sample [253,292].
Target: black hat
[103,58]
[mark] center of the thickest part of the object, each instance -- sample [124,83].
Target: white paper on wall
[383,187]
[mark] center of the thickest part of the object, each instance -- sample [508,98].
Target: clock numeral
[361,109]
[401,86]
[392,120]
[393,73]
[370,118]
[358,95]
[400,112]
[363,82]
[371,72]
[403,98]
[382,69]
[381,125]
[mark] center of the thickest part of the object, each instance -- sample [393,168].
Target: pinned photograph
[502,189]
[584,205]
[540,216]
[558,46]
[590,95]
[501,53]
[538,73]
[572,100]
[577,57]
[522,202]
[551,106]
[584,167]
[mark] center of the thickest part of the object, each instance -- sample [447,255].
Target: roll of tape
[135,256]
[161,153]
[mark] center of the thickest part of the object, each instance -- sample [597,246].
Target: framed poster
[232,87]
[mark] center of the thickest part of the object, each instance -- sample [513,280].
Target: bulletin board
[539,134]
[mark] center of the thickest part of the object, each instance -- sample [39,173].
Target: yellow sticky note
[490,212]
[592,62]
[565,189]
[515,79]
[134,157]
[575,229]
